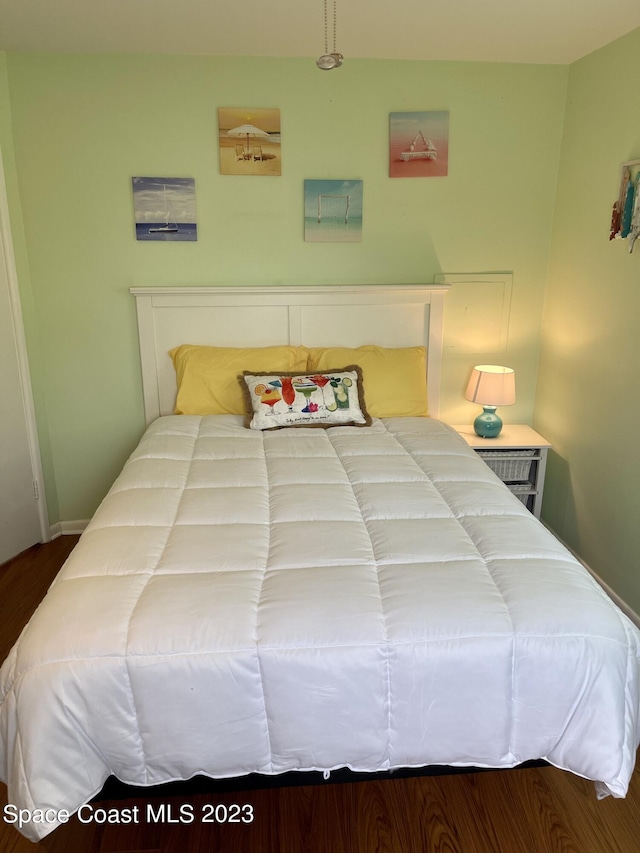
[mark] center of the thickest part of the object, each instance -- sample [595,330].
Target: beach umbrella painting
[248,131]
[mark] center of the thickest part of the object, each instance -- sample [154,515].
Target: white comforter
[309,599]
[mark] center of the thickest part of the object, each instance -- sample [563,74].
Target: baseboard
[621,603]
[68,528]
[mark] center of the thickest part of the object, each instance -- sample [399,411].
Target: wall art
[419,144]
[625,217]
[249,141]
[333,211]
[165,209]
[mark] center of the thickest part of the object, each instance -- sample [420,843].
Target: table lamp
[491,386]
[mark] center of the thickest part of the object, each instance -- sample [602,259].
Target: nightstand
[518,456]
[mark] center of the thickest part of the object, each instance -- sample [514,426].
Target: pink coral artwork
[419,144]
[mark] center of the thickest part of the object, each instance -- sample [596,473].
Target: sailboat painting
[165,209]
[419,144]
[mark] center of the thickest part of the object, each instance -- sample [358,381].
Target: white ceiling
[540,31]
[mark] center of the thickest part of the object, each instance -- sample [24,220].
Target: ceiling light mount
[328,61]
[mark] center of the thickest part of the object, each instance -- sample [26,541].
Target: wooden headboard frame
[340,315]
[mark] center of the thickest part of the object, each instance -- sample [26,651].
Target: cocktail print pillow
[330,398]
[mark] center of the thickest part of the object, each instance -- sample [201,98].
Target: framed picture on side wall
[625,217]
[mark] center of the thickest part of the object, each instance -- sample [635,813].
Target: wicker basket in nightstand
[512,466]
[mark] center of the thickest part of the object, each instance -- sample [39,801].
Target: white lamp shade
[491,385]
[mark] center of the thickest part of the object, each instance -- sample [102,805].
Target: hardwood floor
[535,810]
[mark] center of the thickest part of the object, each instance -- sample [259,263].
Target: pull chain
[326,28]
[333,59]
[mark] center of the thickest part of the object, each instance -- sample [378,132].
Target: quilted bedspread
[312,599]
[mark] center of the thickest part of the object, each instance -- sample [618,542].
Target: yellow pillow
[207,377]
[394,379]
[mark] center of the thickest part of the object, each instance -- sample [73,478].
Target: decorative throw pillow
[324,399]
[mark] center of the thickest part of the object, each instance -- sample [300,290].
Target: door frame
[23,359]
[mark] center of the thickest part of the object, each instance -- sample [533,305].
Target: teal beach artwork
[333,211]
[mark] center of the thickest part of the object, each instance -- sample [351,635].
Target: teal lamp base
[488,424]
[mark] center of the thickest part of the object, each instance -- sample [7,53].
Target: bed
[249,601]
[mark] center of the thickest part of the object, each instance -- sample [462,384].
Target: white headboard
[341,315]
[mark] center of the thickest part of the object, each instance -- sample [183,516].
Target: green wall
[82,126]
[587,402]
